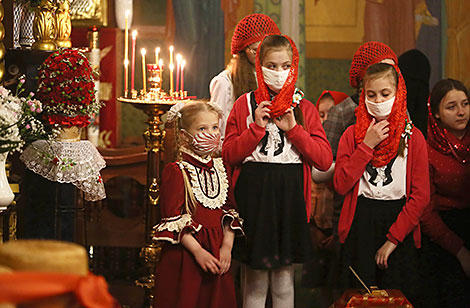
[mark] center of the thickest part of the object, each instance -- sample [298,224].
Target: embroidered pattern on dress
[209,187]
[174,224]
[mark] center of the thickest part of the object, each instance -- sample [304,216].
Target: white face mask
[274,79]
[380,110]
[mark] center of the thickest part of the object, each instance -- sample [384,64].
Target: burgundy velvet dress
[180,281]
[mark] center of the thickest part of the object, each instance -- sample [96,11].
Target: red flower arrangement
[67,90]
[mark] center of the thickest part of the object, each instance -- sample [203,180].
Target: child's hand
[464,258]
[225,259]
[376,133]
[381,257]
[262,113]
[207,261]
[286,122]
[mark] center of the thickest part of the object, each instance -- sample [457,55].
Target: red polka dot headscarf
[369,53]
[251,29]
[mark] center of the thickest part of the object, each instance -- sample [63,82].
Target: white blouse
[221,90]
[387,182]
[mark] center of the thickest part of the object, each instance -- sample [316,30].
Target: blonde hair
[187,115]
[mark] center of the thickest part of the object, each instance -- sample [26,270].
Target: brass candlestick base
[154,137]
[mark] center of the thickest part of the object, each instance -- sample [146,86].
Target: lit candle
[183,63]
[126,54]
[143,52]
[171,55]
[126,73]
[178,67]
[160,67]
[157,52]
[134,37]
[171,78]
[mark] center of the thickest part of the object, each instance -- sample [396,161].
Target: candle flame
[134,34]
[183,63]
[127,13]
[178,58]
[171,48]
[157,50]
[160,62]
[171,66]
[143,51]
[126,62]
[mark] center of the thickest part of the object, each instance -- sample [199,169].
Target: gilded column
[63,24]
[2,46]
[44,26]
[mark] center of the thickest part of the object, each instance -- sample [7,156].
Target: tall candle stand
[154,103]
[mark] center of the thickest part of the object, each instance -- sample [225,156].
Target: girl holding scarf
[273,138]
[446,220]
[381,168]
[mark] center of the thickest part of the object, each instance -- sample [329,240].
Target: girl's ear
[437,116]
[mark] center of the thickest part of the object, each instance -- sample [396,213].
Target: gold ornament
[63,24]
[44,26]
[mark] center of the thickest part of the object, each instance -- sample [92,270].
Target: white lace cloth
[78,163]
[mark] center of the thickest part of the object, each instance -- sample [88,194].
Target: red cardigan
[351,163]
[449,190]
[241,140]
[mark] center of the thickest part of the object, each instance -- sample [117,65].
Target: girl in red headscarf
[239,76]
[381,168]
[273,137]
[447,218]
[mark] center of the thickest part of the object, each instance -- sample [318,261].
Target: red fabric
[90,291]
[385,151]
[445,142]
[252,29]
[241,140]
[369,53]
[282,101]
[449,190]
[338,97]
[180,280]
[350,165]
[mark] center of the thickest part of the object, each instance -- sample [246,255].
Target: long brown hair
[242,73]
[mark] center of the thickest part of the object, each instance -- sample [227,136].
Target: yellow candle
[160,67]
[126,54]
[157,52]
[171,55]
[143,52]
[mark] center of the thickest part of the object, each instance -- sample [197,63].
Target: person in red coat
[447,218]
[198,220]
[382,171]
[272,139]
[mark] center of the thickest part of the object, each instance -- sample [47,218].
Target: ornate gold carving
[2,47]
[154,192]
[63,23]
[89,12]
[44,26]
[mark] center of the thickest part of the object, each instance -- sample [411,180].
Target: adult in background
[416,70]
[239,77]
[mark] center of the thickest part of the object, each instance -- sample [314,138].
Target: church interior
[125,41]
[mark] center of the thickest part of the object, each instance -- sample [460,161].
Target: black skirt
[448,286]
[270,199]
[372,220]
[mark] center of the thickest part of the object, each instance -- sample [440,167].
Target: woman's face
[250,51]
[454,112]
[324,106]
